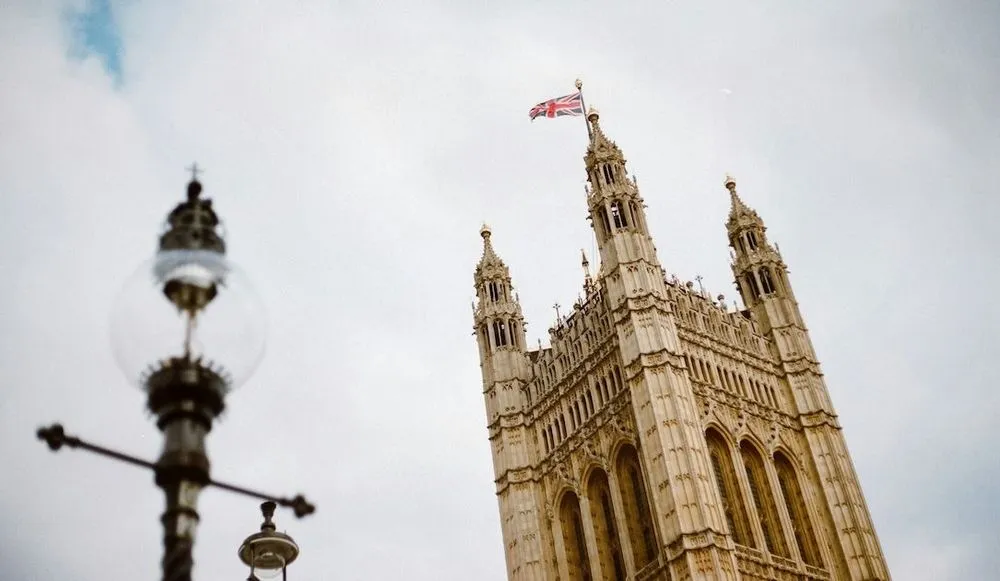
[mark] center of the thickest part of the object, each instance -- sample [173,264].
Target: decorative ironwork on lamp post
[187,329]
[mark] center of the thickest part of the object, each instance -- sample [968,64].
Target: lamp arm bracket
[56,437]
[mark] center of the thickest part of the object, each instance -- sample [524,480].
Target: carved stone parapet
[819,418]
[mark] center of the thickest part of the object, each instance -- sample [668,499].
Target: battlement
[573,338]
[697,313]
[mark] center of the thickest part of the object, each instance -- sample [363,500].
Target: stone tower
[663,435]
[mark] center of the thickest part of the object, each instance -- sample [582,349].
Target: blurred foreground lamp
[188,328]
[268,553]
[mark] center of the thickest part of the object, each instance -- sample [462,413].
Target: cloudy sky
[355,148]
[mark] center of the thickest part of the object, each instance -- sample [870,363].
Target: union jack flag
[565,105]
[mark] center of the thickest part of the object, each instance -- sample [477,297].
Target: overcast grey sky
[354,149]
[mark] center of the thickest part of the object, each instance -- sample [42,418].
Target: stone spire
[740,215]
[498,311]
[489,260]
[588,280]
[617,210]
[601,149]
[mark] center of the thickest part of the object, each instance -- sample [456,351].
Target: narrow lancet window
[605,531]
[634,211]
[494,291]
[605,221]
[763,500]
[766,281]
[499,333]
[574,542]
[618,214]
[752,285]
[638,517]
[725,479]
[805,538]
[609,174]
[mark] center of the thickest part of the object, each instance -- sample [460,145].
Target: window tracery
[763,499]
[727,484]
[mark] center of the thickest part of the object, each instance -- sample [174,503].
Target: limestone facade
[664,435]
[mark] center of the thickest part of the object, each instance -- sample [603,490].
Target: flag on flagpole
[560,106]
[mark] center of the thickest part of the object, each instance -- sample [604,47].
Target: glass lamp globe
[189,304]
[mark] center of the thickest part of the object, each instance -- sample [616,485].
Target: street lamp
[187,328]
[268,553]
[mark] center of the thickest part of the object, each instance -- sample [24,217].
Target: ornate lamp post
[187,329]
[268,552]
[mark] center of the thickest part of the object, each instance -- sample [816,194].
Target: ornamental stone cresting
[664,435]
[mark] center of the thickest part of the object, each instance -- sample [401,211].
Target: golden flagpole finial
[579,85]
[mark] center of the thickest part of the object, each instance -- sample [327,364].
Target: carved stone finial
[730,183]
[485,231]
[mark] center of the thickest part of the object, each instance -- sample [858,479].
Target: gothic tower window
[609,174]
[605,221]
[752,285]
[729,491]
[766,282]
[605,532]
[499,333]
[636,215]
[494,291]
[805,537]
[636,507]
[618,214]
[574,542]
[752,240]
[763,499]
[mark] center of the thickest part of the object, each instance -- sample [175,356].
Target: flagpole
[579,87]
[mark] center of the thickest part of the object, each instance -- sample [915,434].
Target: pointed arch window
[638,516]
[618,214]
[767,281]
[609,174]
[605,221]
[805,537]
[499,333]
[752,285]
[729,492]
[752,240]
[574,542]
[493,289]
[634,211]
[763,499]
[605,531]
